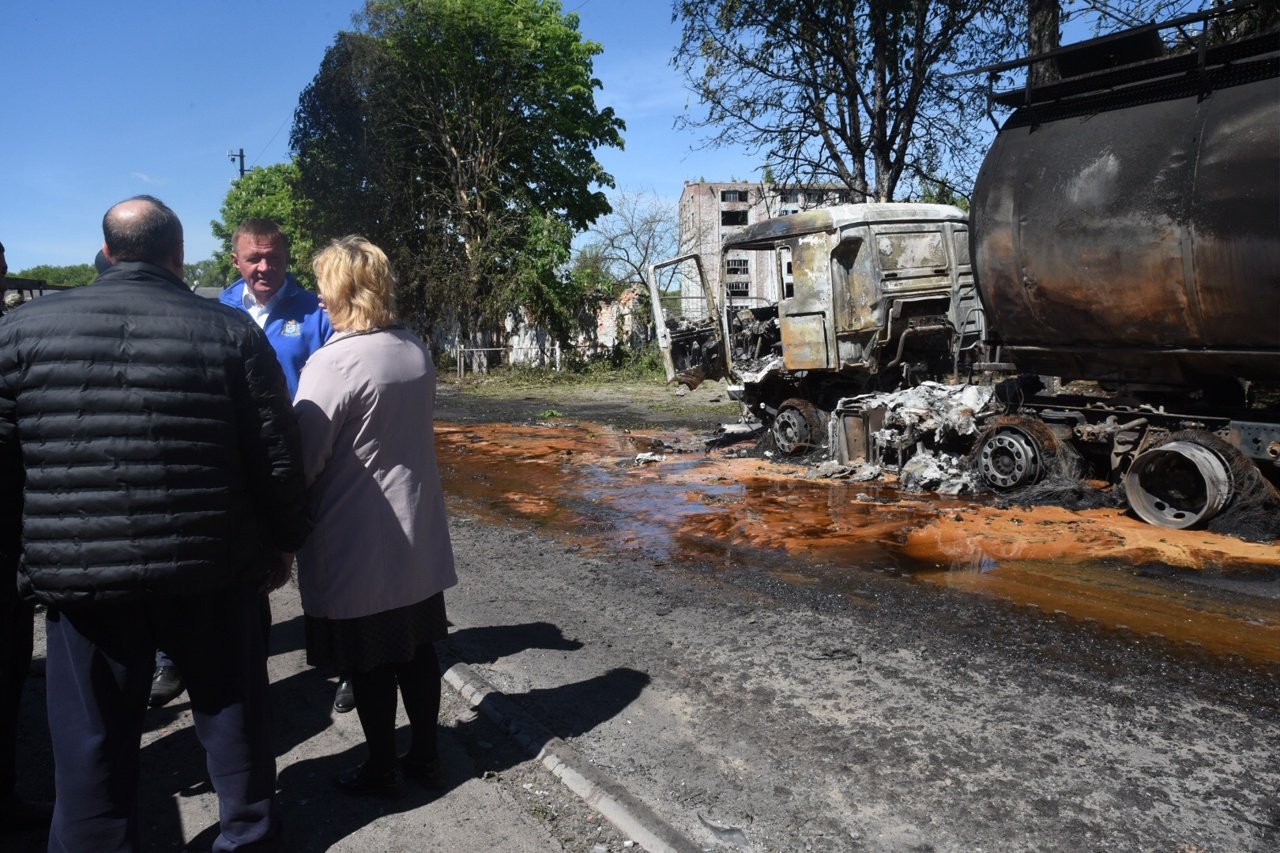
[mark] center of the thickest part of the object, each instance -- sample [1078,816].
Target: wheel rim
[1008,459]
[791,431]
[1178,485]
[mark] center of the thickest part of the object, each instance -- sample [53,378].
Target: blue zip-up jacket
[296,327]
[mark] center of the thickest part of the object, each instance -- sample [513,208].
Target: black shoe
[344,699]
[19,815]
[166,685]
[362,780]
[429,774]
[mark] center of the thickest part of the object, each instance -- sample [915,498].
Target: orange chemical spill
[661,493]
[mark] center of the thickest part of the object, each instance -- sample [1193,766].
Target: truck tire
[1016,452]
[1009,457]
[799,427]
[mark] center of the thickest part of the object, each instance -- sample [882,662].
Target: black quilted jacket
[147,443]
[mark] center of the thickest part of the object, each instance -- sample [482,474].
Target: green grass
[622,366]
[504,380]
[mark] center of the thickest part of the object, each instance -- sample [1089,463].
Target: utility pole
[233,157]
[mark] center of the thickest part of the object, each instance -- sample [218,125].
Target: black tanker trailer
[1125,230]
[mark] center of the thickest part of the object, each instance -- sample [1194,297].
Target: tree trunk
[1043,35]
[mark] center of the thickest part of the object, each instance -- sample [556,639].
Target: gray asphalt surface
[712,707]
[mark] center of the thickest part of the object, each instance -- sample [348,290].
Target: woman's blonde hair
[355,281]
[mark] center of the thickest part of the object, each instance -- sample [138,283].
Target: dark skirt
[367,642]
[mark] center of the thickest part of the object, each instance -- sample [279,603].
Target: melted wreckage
[1122,244]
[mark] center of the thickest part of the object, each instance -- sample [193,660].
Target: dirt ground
[751,705]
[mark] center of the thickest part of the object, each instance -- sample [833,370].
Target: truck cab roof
[766,233]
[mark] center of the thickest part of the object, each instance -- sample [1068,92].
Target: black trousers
[15,661]
[163,659]
[100,663]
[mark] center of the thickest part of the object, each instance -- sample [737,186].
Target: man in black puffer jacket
[150,488]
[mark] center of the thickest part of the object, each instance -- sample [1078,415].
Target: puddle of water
[582,481]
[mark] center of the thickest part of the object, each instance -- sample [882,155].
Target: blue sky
[102,101]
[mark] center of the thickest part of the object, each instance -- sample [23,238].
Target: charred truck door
[805,318]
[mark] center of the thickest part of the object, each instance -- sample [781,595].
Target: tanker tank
[1126,221]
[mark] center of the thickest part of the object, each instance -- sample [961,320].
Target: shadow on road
[316,815]
[572,710]
[566,711]
[492,643]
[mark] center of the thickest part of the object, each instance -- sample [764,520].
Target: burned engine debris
[921,434]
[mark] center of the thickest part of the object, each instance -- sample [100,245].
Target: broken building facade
[711,211]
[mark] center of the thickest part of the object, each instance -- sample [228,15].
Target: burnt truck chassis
[1175,465]
[1176,468]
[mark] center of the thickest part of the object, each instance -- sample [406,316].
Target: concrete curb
[603,794]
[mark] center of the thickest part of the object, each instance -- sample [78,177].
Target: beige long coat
[365,404]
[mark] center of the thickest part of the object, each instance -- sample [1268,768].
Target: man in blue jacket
[296,326]
[292,317]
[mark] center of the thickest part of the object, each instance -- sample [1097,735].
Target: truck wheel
[798,427]
[1182,483]
[1009,458]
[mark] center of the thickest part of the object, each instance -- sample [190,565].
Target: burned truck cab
[871,295]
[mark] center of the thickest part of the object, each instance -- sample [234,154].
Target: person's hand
[279,574]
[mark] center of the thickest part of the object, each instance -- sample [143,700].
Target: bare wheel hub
[797,427]
[1178,485]
[1008,459]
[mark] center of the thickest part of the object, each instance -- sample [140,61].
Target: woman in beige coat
[373,573]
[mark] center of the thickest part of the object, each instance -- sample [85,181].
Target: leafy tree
[339,134]
[204,273]
[547,287]
[459,135]
[72,275]
[590,269]
[267,193]
[943,194]
[852,92]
